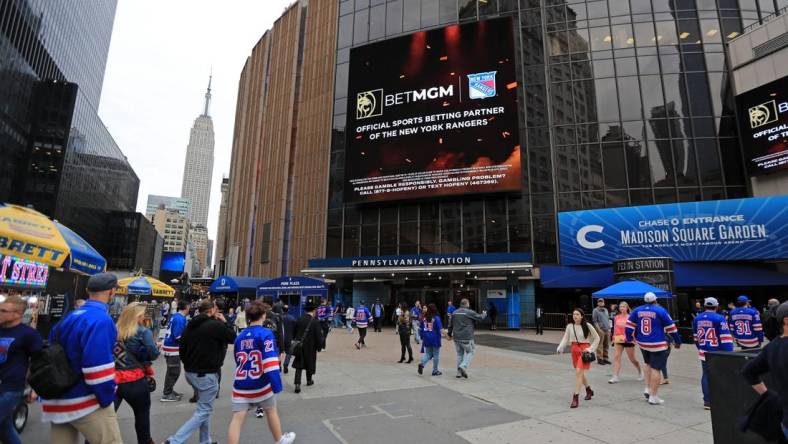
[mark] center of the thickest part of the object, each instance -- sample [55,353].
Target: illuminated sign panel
[433,113]
[22,272]
[763,120]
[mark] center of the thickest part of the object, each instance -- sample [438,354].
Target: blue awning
[292,283]
[687,274]
[234,284]
[728,275]
[630,289]
[564,276]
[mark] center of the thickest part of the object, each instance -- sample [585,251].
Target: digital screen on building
[433,113]
[173,261]
[763,120]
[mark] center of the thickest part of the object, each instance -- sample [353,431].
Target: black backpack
[50,372]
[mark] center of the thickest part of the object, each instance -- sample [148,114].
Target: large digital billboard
[763,120]
[173,261]
[715,230]
[433,113]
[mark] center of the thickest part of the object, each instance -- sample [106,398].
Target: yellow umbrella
[31,236]
[144,286]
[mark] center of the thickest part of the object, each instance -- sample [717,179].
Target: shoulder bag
[297,345]
[586,356]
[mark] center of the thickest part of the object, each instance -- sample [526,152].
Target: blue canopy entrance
[630,289]
[295,291]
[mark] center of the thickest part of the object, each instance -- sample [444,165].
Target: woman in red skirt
[582,337]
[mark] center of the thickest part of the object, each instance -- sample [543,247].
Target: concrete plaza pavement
[364,396]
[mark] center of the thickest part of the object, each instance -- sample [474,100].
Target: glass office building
[55,152]
[625,103]
[621,103]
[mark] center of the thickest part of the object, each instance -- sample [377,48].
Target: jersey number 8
[645,326]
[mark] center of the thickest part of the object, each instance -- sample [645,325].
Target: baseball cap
[650,297]
[102,282]
[710,302]
[742,299]
[600,300]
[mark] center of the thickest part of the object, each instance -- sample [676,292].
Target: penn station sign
[735,229]
[421,260]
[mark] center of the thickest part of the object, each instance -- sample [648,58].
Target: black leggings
[136,393]
[362,333]
[404,341]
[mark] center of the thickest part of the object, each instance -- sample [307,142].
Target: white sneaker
[613,380]
[646,393]
[655,400]
[640,376]
[287,438]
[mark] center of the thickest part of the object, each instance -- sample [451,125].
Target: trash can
[731,396]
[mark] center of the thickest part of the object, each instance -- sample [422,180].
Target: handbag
[587,357]
[297,345]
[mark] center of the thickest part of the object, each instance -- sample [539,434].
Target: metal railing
[766,19]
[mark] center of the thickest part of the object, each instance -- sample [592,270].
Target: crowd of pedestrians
[113,359]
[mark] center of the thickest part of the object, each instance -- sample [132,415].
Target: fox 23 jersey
[710,333]
[745,324]
[256,366]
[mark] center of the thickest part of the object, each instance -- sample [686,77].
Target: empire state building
[199,165]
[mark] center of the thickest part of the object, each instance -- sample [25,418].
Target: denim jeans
[207,387]
[349,324]
[137,395]
[8,402]
[704,382]
[416,332]
[464,353]
[431,353]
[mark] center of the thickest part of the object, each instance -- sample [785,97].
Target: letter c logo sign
[584,242]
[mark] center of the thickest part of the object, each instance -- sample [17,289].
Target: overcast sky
[157,73]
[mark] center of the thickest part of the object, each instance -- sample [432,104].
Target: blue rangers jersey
[88,336]
[171,344]
[745,324]
[710,333]
[323,312]
[650,324]
[256,366]
[362,316]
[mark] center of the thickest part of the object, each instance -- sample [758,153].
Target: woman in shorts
[257,381]
[583,338]
[621,343]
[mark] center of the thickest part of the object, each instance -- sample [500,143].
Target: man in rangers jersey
[88,336]
[362,322]
[257,379]
[710,333]
[170,349]
[324,313]
[650,324]
[745,324]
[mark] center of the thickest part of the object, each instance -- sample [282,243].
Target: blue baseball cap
[742,299]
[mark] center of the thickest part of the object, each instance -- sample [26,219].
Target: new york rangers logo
[481,85]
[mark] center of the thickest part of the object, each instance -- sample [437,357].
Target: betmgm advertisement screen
[763,120]
[433,113]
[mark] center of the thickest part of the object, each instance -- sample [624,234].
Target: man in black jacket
[202,348]
[307,330]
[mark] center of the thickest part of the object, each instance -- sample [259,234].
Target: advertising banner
[763,120]
[433,113]
[720,230]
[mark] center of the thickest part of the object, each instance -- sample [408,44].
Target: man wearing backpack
[18,342]
[87,336]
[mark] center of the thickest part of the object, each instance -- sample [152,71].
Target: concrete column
[528,302]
